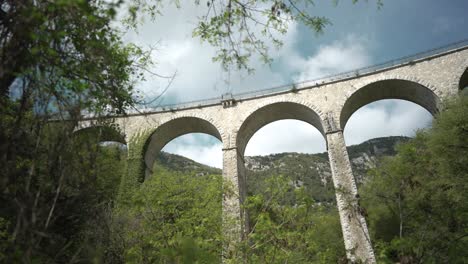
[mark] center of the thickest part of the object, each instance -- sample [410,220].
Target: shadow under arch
[275,112]
[390,89]
[463,83]
[170,130]
[101,134]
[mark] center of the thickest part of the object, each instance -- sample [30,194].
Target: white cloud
[386,118]
[286,136]
[340,56]
[198,77]
[201,148]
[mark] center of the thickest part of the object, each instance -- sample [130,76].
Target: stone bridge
[327,105]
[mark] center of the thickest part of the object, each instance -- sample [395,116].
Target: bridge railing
[314,82]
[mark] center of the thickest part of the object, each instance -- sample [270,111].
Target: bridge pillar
[353,224]
[129,179]
[136,167]
[235,221]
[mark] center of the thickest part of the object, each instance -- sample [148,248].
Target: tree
[70,181]
[417,199]
[66,52]
[57,59]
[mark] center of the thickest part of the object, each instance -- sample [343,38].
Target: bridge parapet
[318,82]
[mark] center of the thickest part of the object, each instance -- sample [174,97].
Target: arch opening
[172,130]
[102,134]
[390,89]
[386,118]
[201,148]
[275,112]
[287,135]
[101,154]
[291,185]
[373,125]
[186,197]
[294,149]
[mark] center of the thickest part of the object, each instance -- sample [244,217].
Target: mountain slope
[309,170]
[182,164]
[313,170]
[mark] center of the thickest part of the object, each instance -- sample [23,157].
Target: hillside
[182,164]
[309,170]
[313,170]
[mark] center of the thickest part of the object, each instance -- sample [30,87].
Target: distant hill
[309,170]
[182,164]
[313,170]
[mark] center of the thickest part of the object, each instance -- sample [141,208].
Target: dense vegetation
[174,218]
[58,59]
[417,201]
[59,217]
[289,226]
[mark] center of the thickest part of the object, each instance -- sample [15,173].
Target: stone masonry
[326,106]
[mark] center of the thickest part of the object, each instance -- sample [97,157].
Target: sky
[360,35]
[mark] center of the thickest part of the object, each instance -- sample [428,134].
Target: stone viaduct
[325,104]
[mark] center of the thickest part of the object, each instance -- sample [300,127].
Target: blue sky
[361,35]
[400,28]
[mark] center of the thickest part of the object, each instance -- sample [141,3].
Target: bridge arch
[172,128]
[102,133]
[274,111]
[408,89]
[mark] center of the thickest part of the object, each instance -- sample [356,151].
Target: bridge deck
[309,84]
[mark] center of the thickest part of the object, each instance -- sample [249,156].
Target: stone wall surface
[326,106]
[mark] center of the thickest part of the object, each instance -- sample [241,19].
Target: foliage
[174,218]
[417,200]
[302,232]
[178,163]
[308,170]
[58,59]
[66,56]
[94,233]
[49,194]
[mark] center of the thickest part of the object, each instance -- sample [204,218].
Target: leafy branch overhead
[240,29]
[68,53]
